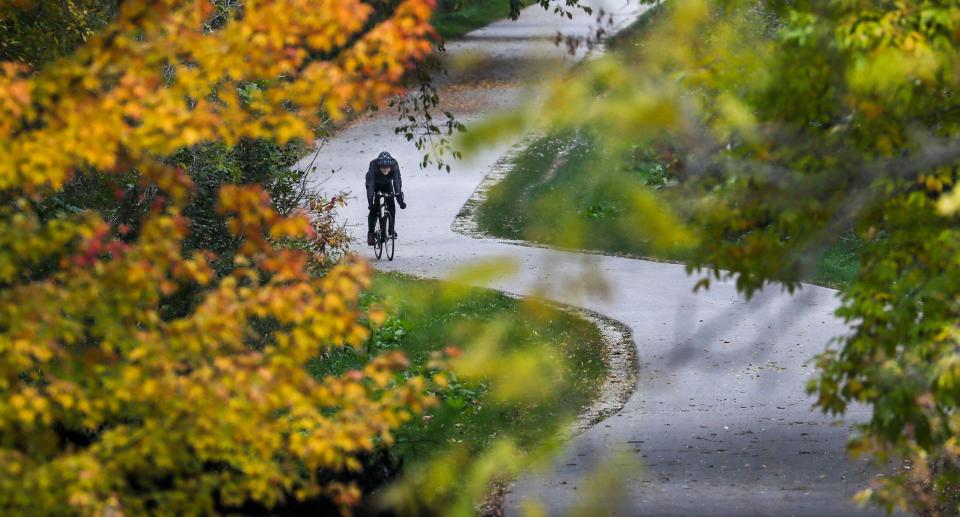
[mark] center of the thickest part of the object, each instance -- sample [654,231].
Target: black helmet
[385,160]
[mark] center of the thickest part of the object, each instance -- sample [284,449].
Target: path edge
[621,382]
[623,366]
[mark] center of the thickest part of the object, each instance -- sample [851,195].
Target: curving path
[719,420]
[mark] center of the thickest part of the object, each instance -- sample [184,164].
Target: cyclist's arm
[397,182]
[370,182]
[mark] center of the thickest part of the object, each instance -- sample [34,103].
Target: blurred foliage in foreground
[796,122]
[553,196]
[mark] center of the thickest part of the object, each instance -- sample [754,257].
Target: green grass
[427,317]
[840,262]
[549,197]
[552,197]
[476,14]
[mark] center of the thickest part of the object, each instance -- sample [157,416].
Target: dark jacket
[394,177]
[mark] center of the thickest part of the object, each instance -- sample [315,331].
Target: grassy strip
[551,197]
[427,316]
[476,14]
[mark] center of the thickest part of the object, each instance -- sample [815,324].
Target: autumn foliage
[109,403]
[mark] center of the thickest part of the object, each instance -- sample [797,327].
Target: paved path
[719,418]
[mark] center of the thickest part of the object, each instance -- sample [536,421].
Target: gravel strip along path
[720,419]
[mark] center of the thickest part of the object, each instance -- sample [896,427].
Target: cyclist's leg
[372,218]
[392,210]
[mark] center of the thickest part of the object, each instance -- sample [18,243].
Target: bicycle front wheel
[378,243]
[389,245]
[381,235]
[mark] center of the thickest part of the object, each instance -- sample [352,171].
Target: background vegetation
[454,18]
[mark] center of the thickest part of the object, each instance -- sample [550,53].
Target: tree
[799,122]
[39,32]
[110,404]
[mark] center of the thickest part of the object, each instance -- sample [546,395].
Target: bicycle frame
[380,199]
[382,239]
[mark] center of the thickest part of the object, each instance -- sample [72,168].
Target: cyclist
[383,176]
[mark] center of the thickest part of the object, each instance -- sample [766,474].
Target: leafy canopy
[108,403]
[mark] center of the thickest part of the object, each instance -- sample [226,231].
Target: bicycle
[382,237]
